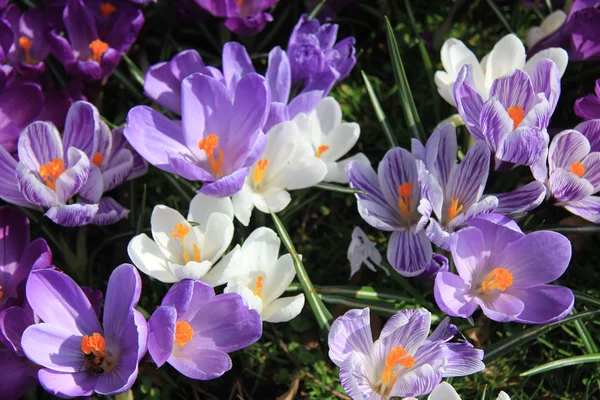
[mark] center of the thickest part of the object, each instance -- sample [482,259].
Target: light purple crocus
[218,139]
[404,361]
[94,48]
[506,273]
[315,57]
[588,107]
[578,35]
[574,170]
[514,119]
[193,330]
[391,202]
[78,356]
[244,17]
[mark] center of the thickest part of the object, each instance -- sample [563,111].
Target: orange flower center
[405,203]
[98,48]
[25,43]
[396,356]
[320,150]
[258,286]
[180,232]
[107,9]
[93,345]
[209,145]
[517,114]
[1,292]
[259,171]
[454,209]
[499,279]
[240,3]
[97,159]
[578,169]
[183,333]
[51,171]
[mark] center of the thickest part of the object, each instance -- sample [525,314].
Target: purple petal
[452,295]
[9,188]
[226,186]
[514,90]
[95,297]
[409,252]
[588,107]
[109,212]
[522,146]
[304,103]
[198,362]
[39,144]
[76,175]
[407,327]
[503,308]
[545,78]
[122,295]
[441,150]
[467,181]
[236,63]
[591,163]
[32,189]
[522,199]
[13,322]
[279,75]
[397,168]
[181,293]
[349,333]
[566,186]
[93,188]
[496,124]
[19,105]
[591,130]
[588,208]
[57,300]
[80,26]
[278,112]
[81,126]
[18,375]
[544,304]
[468,248]
[67,385]
[161,335]
[468,101]
[53,347]
[14,238]
[118,169]
[248,26]
[438,235]
[567,148]
[188,169]
[37,255]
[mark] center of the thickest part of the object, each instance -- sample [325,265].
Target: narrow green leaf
[126,82]
[496,10]
[360,293]
[582,297]
[134,70]
[569,230]
[387,130]
[408,103]
[177,186]
[565,362]
[586,337]
[382,309]
[506,345]
[315,11]
[337,188]
[324,317]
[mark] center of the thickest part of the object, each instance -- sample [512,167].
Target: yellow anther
[320,150]
[97,159]
[51,171]
[454,209]
[499,278]
[25,43]
[405,203]
[578,169]
[93,344]
[517,114]
[258,286]
[1,292]
[259,171]
[396,356]
[209,145]
[107,9]
[183,333]
[98,48]
[180,231]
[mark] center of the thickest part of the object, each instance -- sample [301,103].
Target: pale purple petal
[9,188]
[566,186]
[452,295]
[502,308]
[18,375]
[522,199]
[496,124]
[118,169]
[398,167]
[180,295]
[53,347]
[522,146]
[468,102]
[545,78]
[441,150]
[279,75]
[588,208]
[591,163]
[408,328]
[109,212]
[67,385]
[409,252]
[161,337]
[438,235]
[591,130]
[226,186]
[93,188]
[467,180]
[39,144]
[567,148]
[514,90]
[33,190]
[468,250]
[122,295]
[13,322]
[73,214]
[350,332]
[544,304]
[305,102]
[236,63]
[198,362]
[81,126]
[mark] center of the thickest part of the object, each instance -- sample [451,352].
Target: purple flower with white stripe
[574,170]
[405,361]
[194,329]
[513,121]
[315,57]
[392,202]
[78,356]
[97,38]
[588,107]
[506,273]
[218,139]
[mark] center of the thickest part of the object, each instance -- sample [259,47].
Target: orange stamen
[98,48]
[396,356]
[51,171]
[261,168]
[578,169]
[25,43]
[454,209]
[107,9]
[209,145]
[240,3]
[320,150]
[517,114]
[180,231]
[499,278]
[94,345]
[97,159]
[1,292]
[183,333]
[258,286]
[405,203]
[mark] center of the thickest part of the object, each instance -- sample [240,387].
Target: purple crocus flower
[20,105]
[95,43]
[588,107]
[244,17]
[574,170]
[391,202]
[405,361]
[506,273]
[193,330]
[315,57]
[514,119]
[78,356]
[578,35]
[218,139]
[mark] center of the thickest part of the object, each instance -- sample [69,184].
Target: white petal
[445,85]
[309,127]
[508,55]
[261,249]
[163,223]
[230,266]
[277,278]
[281,142]
[444,391]
[455,54]
[534,35]
[303,169]
[559,56]
[503,396]
[217,237]
[340,140]
[336,171]
[202,206]
[252,301]
[273,199]
[147,257]
[284,309]
[329,114]
[243,205]
[191,270]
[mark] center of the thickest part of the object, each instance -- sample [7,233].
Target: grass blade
[586,337]
[506,345]
[496,10]
[565,362]
[586,298]
[360,293]
[134,70]
[322,314]
[340,189]
[315,11]
[387,130]
[408,103]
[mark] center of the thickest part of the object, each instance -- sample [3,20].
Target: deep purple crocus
[315,57]
[20,105]
[574,170]
[244,17]
[78,356]
[193,330]
[95,41]
[578,35]
[506,273]
[404,361]
[514,119]
[218,139]
[588,107]
[391,202]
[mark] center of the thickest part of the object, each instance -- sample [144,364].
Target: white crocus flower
[260,277]
[549,25]
[288,163]
[331,138]
[507,56]
[181,249]
[362,251]
[445,391]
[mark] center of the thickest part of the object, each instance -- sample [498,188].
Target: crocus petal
[507,56]
[397,168]
[118,170]
[109,212]
[279,75]
[191,270]
[409,252]
[198,362]
[201,207]
[18,375]
[567,148]
[468,101]
[39,144]
[566,186]
[304,102]
[122,295]
[349,333]
[408,328]
[53,347]
[283,309]
[336,172]
[72,214]
[278,277]
[218,232]
[467,251]
[545,78]
[523,146]
[14,238]
[82,124]
[452,295]
[591,163]
[444,391]
[226,268]
[243,205]
[13,321]
[67,385]
[226,186]
[544,304]
[93,188]
[438,235]
[161,336]
[514,90]
[236,64]
[76,175]
[503,308]
[556,54]
[590,130]
[467,181]
[163,222]
[588,208]
[522,199]
[272,200]
[495,122]
[440,152]
[9,187]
